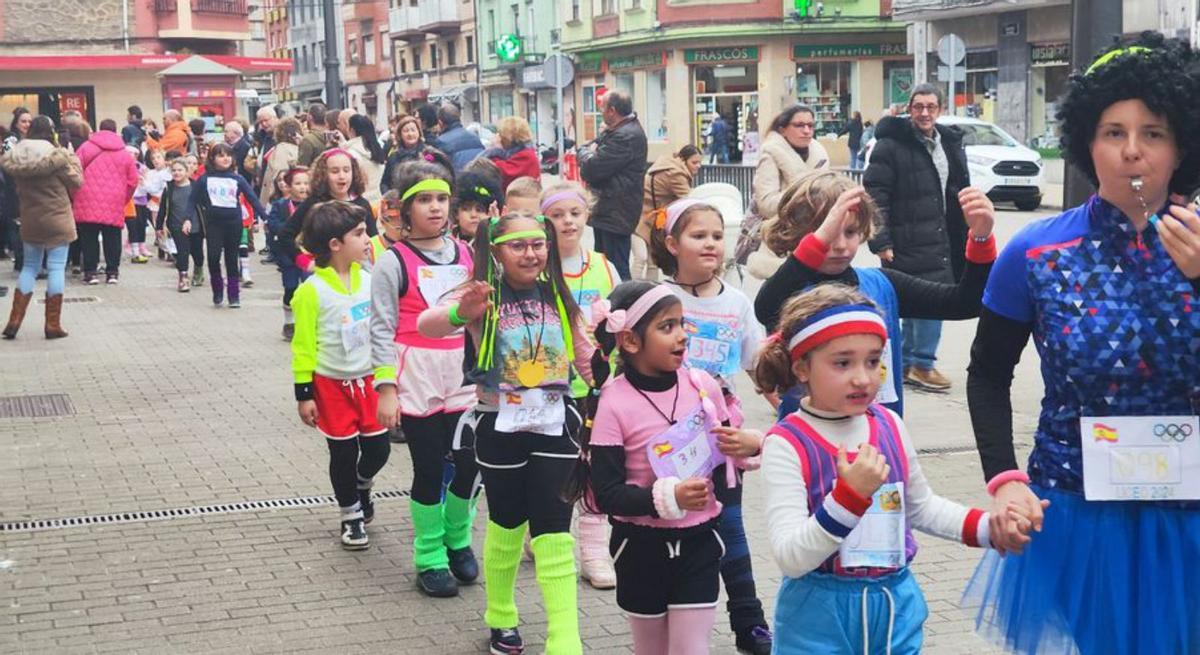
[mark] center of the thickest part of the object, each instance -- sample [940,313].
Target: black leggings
[353,464]
[137,225]
[90,235]
[188,244]
[429,440]
[524,474]
[224,237]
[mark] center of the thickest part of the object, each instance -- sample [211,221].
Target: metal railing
[742,177]
[166,6]
[229,7]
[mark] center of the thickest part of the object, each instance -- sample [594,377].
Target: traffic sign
[558,71]
[951,50]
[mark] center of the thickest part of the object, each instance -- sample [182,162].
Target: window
[516,11]
[635,4]
[500,105]
[434,61]
[591,112]
[384,43]
[470,49]
[368,44]
[656,105]
[574,11]
[297,64]
[416,59]
[608,7]
[451,53]
[353,50]
[491,50]
[402,61]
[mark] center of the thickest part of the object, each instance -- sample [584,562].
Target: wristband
[304,391]
[455,319]
[981,239]
[1004,478]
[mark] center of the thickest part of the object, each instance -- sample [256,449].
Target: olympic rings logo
[1177,432]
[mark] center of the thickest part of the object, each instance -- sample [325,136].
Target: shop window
[825,86]
[897,87]
[500,105]
[624,82]
[656,104]
[592,112]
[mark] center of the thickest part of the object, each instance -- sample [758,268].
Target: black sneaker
[396,435]
[756,640]
[111,278]
[506,641]
[354,535]
[91,279]
[463,565]
[437,583]
[368,505]
[235,302]
[218,296]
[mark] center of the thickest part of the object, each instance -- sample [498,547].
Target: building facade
[276,45]
[434,55]
[367,67]
[518,87]
[306,43]
[100,56]
[685,61]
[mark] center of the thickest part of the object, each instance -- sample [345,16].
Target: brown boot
[19,305]
[54,317]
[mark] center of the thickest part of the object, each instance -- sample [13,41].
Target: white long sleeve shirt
[798,541]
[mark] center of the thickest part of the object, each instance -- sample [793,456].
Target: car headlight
[1038,161]
[980,160]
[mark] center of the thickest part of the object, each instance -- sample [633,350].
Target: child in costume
[186,230]
[477,197]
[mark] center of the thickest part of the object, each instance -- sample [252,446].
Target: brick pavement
[179,404]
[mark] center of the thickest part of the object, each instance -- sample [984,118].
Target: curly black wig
[1164,74]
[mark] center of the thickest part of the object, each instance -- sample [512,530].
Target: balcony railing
[227,7]
[404,21]
[440,16]
[166,6]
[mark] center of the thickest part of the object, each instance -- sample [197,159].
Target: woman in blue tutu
[1110,291]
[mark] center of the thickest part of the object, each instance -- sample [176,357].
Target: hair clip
[660,219]
[540,218]
[495,221]
[483,192]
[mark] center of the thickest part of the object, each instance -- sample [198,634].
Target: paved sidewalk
[177,404]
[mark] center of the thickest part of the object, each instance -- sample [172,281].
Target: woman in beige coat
[288,134]
[668,180]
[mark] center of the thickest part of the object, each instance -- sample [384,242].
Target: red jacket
[514,164]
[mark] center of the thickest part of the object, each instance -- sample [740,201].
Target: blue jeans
[615,248]
[56,265]
[856,160]
[719,154]
[921,337]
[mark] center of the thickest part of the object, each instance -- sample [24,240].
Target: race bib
[356,327]
[1140,457]
[887,377]
[223,192]
[687,449]
[584,298]
[435,281]
[878,539]
[541,411]
[714,347]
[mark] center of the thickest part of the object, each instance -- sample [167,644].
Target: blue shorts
[822,613]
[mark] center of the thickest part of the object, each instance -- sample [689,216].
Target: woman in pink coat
[110,175]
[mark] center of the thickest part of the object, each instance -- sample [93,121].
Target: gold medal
[531,373]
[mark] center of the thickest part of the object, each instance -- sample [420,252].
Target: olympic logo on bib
[1174,431]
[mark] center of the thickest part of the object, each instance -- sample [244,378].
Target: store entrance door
[740,111]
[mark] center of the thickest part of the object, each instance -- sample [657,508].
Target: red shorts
[346,408]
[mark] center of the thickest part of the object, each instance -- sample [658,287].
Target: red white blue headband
[829,324]
[623,320]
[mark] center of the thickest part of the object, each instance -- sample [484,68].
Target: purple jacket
[110,176]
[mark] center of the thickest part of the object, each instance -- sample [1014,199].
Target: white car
[999,166]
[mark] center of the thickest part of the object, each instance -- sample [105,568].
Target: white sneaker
[599,573]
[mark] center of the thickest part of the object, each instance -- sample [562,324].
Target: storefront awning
[454,93]
[152,62]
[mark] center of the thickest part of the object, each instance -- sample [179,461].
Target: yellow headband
[1109,56]
[432,184]
[521,234]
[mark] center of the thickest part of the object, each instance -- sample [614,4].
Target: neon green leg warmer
[554,559]
[459,515]
[429,551]
[501,558]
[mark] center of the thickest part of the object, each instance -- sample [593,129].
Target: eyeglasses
[803,126]
[521,247]
[925,109]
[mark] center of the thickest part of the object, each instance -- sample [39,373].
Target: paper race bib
[714,347]
[1140,457]
[222,192]
[541,411]
[687,449]
[434,281]
[878,539]
[887,389]
[356,327]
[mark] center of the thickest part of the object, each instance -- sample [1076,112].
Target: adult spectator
[110,175]
[283,156]
[22,118]
[788,152]
[343,122]
[75,131]
[669,179]
[196,129]
[235,137]
[454,139]
[718,141]
[175,138]
[408,144]
[364,145]
[613,166]
[854,138]
[44,177]
[313,143]
[516,156]
[917,169]
[429,120]
[133,134]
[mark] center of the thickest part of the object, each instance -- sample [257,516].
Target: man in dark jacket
[459,145]
[614,166]
[134,134]
[916,171]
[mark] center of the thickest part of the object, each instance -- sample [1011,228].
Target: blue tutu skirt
[1101,577]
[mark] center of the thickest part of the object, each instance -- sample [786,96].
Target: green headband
[522,234]
[1119,52]
[539,218]
[432,184]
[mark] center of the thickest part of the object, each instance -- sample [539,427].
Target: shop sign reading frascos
[721,55]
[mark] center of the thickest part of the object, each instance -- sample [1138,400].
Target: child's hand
[1016,512]
[978,211]
[843,212]
[388,410]
[693,494]
[733,442]
[187,227]
[308,412]
[868,472]
[475,301]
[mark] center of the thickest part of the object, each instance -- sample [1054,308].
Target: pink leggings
[678,632]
